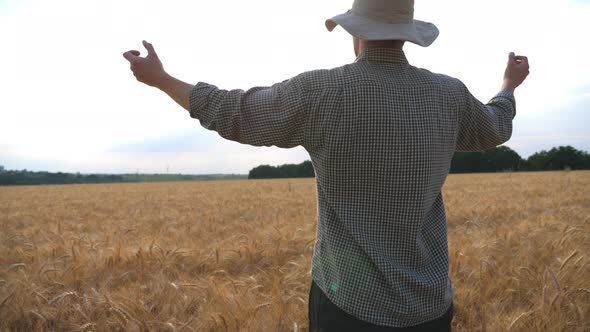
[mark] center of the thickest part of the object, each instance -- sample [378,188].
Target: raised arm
[262,116]
[486,126]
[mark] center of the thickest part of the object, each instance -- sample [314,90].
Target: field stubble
[236,255]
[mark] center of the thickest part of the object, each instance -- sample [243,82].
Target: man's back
[389,131]
[388,142]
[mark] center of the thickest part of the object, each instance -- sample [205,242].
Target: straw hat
[385,20]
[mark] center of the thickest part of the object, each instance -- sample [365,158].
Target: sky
[68,101]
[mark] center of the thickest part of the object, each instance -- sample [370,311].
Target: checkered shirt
[381,135]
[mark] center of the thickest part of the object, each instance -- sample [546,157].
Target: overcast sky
[68,101]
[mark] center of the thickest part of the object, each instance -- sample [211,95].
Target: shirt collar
[383,55]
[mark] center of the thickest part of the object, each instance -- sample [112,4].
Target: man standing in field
[381,135]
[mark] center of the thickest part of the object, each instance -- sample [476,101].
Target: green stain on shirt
[333,287]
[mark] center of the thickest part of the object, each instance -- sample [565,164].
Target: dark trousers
[325,316]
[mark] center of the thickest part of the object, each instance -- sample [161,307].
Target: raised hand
[516,72]
[148,70]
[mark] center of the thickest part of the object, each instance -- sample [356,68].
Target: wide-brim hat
[385,20]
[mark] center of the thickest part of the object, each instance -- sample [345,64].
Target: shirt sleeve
[262,116]
[485,126]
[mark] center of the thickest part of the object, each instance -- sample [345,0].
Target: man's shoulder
[442,79]
[320,78]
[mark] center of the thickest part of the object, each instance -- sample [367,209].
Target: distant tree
[538,161]
[288,171]
[302,170]
[504,159]
[307,169]
[559,158]
[568,157]
[2,169]
[493,160]
[262,172]
[92,178]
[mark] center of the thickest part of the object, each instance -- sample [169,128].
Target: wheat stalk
[62,296]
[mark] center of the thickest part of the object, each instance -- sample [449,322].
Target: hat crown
[385,20]
[388,11]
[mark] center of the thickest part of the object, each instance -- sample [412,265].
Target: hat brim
[417,32]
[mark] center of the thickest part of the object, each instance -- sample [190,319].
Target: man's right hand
[516,72]
[148,70]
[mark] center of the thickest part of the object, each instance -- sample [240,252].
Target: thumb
[131,55]
[511,57]
[150,48]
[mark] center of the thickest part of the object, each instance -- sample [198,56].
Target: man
[381,135]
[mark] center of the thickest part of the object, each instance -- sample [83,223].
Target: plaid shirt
[381,135]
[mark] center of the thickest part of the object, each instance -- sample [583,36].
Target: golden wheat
[217,256]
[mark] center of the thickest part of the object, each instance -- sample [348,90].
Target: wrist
[508,86]
[506,94]
[165,82]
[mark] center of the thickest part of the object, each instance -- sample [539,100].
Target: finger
[150,48]
[511,57]
[523,60]
[131,55]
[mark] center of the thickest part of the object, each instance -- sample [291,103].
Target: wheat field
[236,255]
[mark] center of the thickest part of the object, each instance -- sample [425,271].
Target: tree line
[503,159]
[500,159]
[25,177]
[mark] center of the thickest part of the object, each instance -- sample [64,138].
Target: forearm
[178,90]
